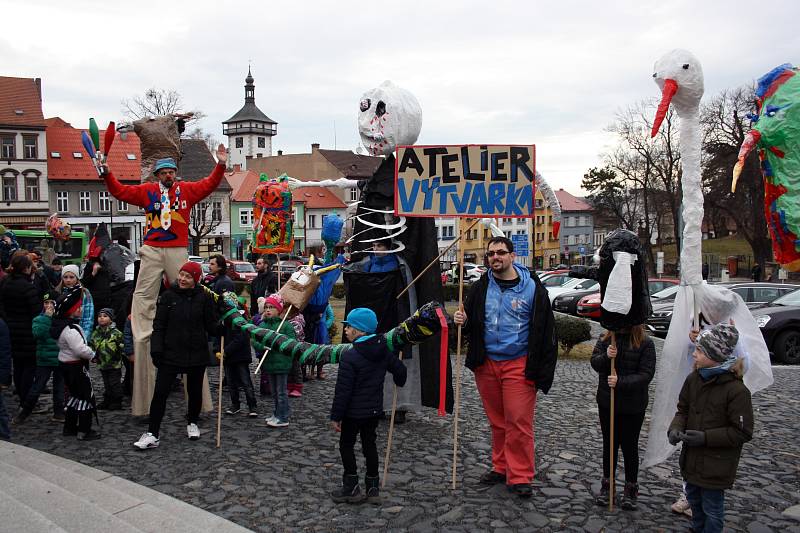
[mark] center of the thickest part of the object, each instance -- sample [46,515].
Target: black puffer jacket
[635,370]
[237,346]
[184,319]
[21,303]
[265,284]
[359,387]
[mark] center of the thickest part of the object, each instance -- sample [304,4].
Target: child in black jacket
[358,402]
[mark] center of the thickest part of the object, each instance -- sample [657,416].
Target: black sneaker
[523,490]
[602,497]
[492,478]
[233,410]
[89,435]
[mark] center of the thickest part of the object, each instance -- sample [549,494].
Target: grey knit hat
[718,342]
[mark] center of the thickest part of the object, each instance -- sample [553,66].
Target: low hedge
[572,331]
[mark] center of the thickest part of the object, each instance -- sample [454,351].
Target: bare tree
[207,137]
[203,220]
[725,124]
[156,102]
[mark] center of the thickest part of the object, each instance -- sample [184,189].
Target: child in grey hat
[714,420]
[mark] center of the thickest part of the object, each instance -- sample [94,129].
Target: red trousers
[510,404]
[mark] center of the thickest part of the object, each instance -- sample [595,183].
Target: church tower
[249,131]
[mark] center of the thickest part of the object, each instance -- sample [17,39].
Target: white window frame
[31,188]
[62,201]
[122,206]
[104,201]
[246,217]
[353,194]
[85,201]
[30,154]
[216,211]
[312,221]
[10,188]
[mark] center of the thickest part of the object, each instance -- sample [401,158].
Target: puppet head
[388,116]
[680,77]
[623,281]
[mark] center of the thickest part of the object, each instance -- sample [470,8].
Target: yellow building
[544,248]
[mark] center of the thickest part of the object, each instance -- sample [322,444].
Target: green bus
[71,251]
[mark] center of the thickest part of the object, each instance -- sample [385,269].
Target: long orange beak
[669,90]
[750,141]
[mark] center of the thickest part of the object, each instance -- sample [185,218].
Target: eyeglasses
[501,253]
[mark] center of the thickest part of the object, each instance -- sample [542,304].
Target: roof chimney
[280,152]
[38,82]
[314,147]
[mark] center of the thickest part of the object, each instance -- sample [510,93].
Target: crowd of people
[51,331]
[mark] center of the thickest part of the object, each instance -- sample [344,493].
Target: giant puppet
[776,135]
[680,77]
[167,203]
[390,116]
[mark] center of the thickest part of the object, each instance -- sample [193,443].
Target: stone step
[63,508]
[138,508]
[19,517]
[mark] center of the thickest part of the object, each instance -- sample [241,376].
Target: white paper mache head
[683,68]
[388,116]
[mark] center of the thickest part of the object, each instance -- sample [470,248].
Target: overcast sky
[549,73]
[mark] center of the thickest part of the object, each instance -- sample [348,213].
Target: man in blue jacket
[358,401]
[513,352]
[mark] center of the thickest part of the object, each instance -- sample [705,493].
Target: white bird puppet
[680,77]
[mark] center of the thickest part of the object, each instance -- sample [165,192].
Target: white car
[573,284]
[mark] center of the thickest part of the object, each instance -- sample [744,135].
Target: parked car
[474,273]
[572,284]
[555,279]
[241,271]
[568,302]
[779,322]
[589,306]
[754,294]
[659,284]
[288,267]
[196,259]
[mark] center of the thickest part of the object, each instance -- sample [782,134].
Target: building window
[262,142]
[539,203]
[571,239]
[508,234]
[10,188]
[8,148]
[55,155]
[216,211]
[506,221]
[62,201]
[29,146]
[122,206]
[447,232]
[246,217]
[312,221]
[104,199]
[353,194]
[32,189]
[239,142]
[86,201]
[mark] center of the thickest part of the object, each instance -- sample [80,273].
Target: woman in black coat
[20,301]
[635,364]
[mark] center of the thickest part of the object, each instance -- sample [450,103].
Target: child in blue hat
[358,402]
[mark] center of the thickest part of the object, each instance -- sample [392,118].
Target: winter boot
[602,498]
[627,500]
[373,490]
[349,492]
[70,423]
[21,416]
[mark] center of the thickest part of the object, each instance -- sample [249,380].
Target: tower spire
[249,88]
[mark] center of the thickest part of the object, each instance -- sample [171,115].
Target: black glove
[693,437]
[674,436]
[103,171]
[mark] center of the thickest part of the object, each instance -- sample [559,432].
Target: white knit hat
[71,268]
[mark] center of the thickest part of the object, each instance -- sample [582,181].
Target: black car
[754,294]
[568,302]
[780,325]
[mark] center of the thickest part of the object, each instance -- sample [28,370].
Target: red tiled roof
[352,165]
[243,183]
[63,138]
[20,94]
[571,203]
[317,198]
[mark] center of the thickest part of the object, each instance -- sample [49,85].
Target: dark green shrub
[572,331]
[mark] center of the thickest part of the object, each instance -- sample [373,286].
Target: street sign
[520,244]
[582,250]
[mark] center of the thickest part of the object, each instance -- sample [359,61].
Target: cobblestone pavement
[278,479]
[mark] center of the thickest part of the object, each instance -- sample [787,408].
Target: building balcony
[241,129]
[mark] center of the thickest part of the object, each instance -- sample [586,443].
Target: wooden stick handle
[437,259]
[611,489]
[264,357]
[457,402]
[389,438]
[219,391]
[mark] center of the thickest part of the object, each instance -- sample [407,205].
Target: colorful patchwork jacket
[108,346]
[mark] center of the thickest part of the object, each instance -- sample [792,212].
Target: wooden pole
[460,234]
[611,472]
[456,407]
[263,357]
[389,437]
[279,277]
[219,391]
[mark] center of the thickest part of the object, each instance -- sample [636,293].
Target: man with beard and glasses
[512,352]
[167,203]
